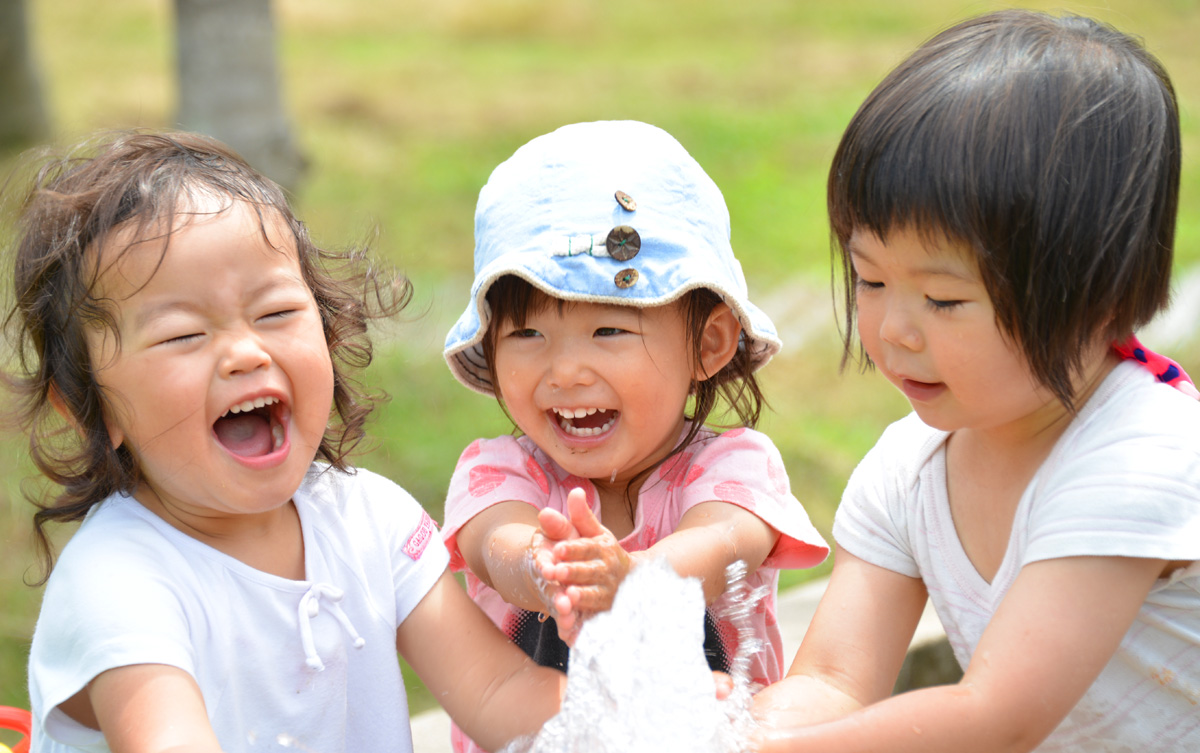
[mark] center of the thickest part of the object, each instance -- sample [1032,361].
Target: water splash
[741,603]
[639,681]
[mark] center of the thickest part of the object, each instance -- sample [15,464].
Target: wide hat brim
[549,214]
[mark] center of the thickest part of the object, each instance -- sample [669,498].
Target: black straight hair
[1048,148]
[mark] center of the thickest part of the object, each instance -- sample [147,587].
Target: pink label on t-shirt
[420,537]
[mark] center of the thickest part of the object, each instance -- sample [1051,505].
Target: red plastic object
[19,720]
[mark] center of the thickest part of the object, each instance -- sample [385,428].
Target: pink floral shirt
[740,466]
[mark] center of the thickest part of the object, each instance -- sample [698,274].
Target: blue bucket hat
[614,212]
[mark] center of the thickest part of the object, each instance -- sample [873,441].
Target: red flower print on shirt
[472,451]
[678,471]
[485,479]
[579,482]
[778,476]
[649,537]
[674,465]
[735,492]
[734,433]
[537,474]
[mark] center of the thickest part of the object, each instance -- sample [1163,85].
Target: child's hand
[541,565]
[723,683]
[589,563]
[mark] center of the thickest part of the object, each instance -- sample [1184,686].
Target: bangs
[514,299]
[983,128]
[1049,147]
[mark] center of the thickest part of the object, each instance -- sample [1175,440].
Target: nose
[244,354]
[899,327]
[569,366]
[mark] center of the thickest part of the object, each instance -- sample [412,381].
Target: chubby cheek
[993,360]
[312,418]
[867,325]
[513,388]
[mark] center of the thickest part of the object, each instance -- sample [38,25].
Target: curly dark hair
[1049,148]
[139,182]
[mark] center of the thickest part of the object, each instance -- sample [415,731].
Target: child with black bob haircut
[1004,208]
[234,584]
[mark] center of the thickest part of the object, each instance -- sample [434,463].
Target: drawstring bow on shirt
[310,607]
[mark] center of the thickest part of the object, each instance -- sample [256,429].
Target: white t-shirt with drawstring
[305,665]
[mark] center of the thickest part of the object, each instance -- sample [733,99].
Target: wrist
[538,587]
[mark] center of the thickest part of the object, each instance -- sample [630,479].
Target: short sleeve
[418,556]
[109,603]
[373,524]
[1127,484]
[490,471]
[882,497]
[743,467]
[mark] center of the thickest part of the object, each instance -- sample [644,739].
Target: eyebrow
[156,311]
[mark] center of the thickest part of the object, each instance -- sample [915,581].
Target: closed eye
[938,305]
[281,314]
[182,339]
[862,284]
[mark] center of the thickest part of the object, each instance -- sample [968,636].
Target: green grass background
[403,107]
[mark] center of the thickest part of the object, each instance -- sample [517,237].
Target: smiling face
[222,382]
[927,323]
[601,389]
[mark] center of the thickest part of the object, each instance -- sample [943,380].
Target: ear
[60,406]
[54,395]
[719,342]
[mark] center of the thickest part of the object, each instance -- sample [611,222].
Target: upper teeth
[577,412]
[566,414]
[250,405]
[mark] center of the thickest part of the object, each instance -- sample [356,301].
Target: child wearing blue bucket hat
[609,317]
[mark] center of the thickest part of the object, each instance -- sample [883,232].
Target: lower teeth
[582,432]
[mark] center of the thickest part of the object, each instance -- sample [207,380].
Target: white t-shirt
[1123,480]
[275,659]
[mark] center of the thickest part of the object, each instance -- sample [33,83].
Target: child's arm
[853,649]
[504,547]
[1057,627]
[146,708]
[489,687]
[710,537]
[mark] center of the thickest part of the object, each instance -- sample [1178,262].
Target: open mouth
[252,428]
[585,422]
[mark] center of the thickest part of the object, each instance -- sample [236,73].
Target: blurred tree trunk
[23,120]
[229,83]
